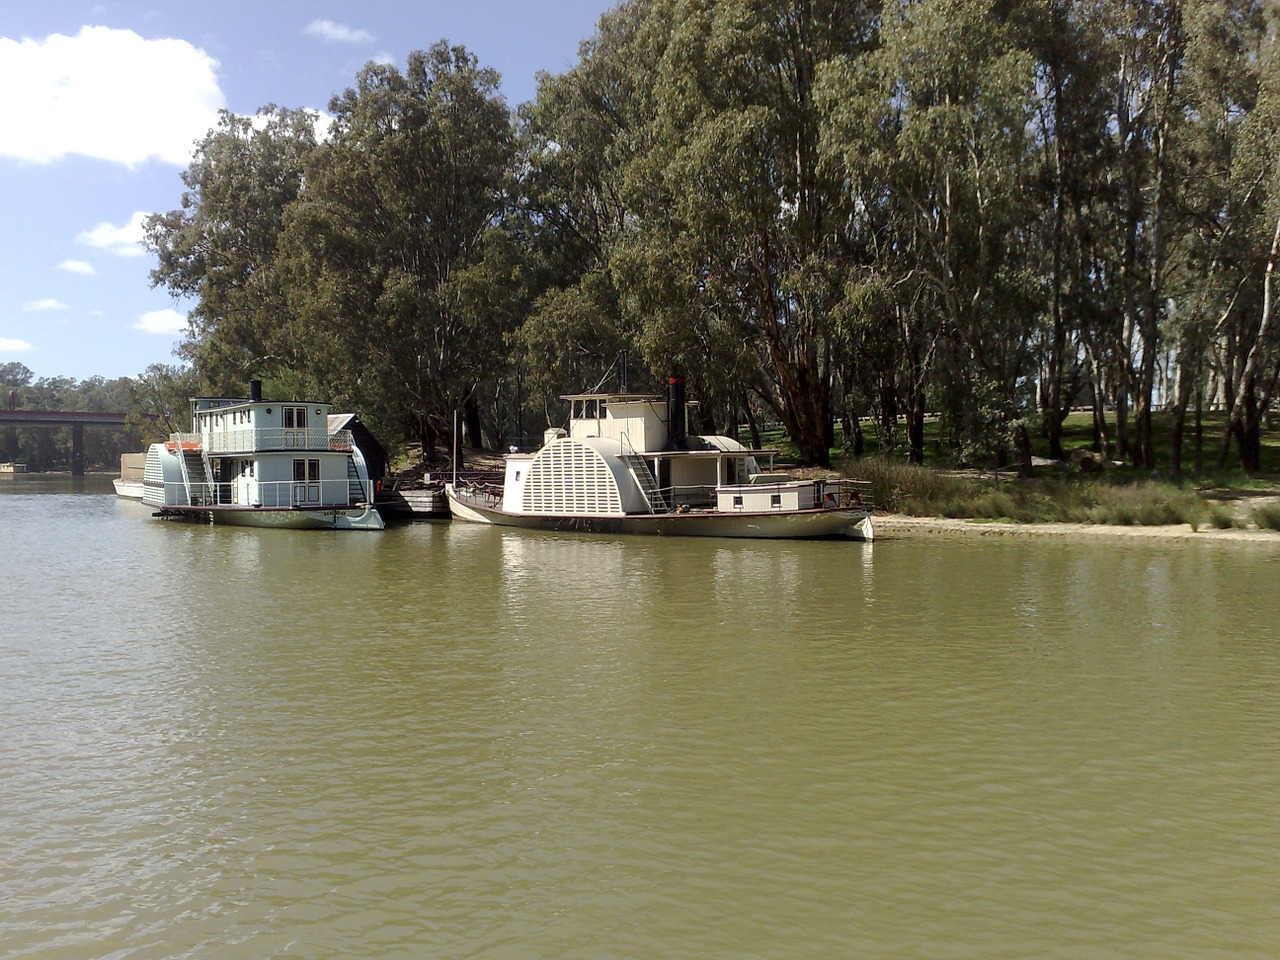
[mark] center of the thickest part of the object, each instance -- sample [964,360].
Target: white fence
[248,492]
[274,438]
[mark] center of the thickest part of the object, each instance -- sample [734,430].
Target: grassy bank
[1103,499]
[1059,493]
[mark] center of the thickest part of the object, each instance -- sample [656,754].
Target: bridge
[75,419]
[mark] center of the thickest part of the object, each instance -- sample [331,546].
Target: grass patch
[920,491]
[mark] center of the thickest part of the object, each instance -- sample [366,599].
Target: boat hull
[286,518]
[796,524]
[128,489]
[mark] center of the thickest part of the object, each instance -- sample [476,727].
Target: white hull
[328,518]
[855,523]
[128,489]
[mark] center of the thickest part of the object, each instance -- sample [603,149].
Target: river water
[453,741]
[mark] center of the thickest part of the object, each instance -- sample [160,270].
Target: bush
[1220,517]
[1267,516]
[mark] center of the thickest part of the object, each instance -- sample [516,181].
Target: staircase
[195,475]
[356,492]
[639,468]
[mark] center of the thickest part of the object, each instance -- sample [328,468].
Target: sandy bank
[897,526]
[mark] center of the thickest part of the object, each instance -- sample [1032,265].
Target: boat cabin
[256,453]
[629,453]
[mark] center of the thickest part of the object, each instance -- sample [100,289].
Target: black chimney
[677,427]
[255,391]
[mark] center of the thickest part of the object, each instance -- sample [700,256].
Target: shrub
[1267,516]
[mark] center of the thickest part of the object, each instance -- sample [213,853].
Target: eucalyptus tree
[220,248]
[732,262]
[383,245]
[577,138]
[1074,157]
[1141,45]
[935,124]
[1216,259]
[1250,330]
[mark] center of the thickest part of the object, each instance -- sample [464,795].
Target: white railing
[249,440]
[247,492]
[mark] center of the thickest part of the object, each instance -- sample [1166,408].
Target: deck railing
[276,493]
[831,493]
[248,440]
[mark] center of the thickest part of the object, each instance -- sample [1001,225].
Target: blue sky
[101,102]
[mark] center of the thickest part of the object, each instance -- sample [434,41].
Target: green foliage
[49,448]
[221,247]
[816,211]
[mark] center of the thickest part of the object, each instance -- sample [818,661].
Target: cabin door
[295,426]
[306,481]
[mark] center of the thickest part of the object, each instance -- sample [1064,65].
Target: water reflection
[462,741]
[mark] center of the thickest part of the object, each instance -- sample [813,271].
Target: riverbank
[899,526]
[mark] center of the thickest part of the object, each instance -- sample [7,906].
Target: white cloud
[123,241]
[43,306]
[105,93]
[161,321]
[331,32]
[78,266]
[14,346]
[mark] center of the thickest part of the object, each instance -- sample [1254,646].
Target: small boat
[129,484]
[627,464]
[262,463]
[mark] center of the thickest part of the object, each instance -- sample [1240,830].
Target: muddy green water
[452,741]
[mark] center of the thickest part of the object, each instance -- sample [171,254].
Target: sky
[100,104]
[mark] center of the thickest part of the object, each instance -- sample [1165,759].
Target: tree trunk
[915,425]
[1243,422]
[1022,440]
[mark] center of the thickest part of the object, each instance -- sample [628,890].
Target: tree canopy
[816,211]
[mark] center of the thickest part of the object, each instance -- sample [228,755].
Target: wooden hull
[796,524]
[285,518]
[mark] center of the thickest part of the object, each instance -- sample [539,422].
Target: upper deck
[228,426]
[638,421]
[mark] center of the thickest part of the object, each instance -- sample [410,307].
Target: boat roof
[713,452]
[617,397]
[245,401]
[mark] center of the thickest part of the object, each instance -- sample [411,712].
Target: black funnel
[677,425]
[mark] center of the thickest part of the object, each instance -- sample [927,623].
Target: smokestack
[677,427]
[255,391]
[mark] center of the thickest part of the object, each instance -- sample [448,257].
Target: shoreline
[892,526]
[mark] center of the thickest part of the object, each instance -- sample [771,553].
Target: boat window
[288,417]
[299,471]
[775,500]
[602,406]
[590,411]
[737,500]
[313,469]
